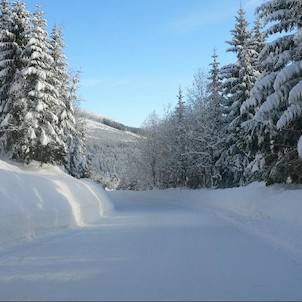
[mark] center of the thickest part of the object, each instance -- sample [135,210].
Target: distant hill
[112,150]
[111,123]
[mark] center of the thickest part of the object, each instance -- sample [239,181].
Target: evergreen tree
[277,92]
[6,53]
[258,42]
[214,90]
[215,130]
[76,159]
[251,127]
[243,46]
[180,148]
[238,80]
[61,80]
[72,131]
[71,119]
[41,139]
[37,95]
[13,107]
[172,138]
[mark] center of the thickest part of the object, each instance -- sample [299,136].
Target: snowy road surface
[151,250]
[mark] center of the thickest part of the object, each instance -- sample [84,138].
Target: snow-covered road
[151,250]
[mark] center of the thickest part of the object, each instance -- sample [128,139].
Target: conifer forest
[241,122]
[237,123]
[39,115]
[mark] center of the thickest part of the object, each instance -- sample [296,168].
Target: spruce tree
[77,163]
[215,124]
[13,107]
[171,139]
[41,140]
[71,119]
[251,127]
[6,53]
[180,149]
[238,79]
[277,93]
[214,90]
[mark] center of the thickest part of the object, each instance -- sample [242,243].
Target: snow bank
[279,202]
[271,213]
[38,200]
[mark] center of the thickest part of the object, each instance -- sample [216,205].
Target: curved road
[150,250]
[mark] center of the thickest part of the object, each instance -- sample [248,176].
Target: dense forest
[39,115]
[236,124]
[240,122]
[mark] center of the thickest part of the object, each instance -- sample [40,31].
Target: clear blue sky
[134,54]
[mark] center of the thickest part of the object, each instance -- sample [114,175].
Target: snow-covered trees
[178,157]
[199,134]
[205,126]
[70,117]
[244,121]
[14,37]
[238,79]
[181,149]
[150,152]
[276,96]
[41,141]
[239,123]
[73,123]
[7,52]
[248,126]
[36,93]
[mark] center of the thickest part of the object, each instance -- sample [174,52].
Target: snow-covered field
[236,244]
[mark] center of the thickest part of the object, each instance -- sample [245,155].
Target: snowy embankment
[37,200]
[279,202]
[270,213]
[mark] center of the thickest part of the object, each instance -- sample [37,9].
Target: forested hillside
[112,151]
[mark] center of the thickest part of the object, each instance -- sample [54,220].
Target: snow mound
[279,202]
[37,200]
[271,213]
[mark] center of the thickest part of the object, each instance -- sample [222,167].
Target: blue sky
[134,54]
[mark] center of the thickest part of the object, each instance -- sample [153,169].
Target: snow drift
[279,202]
[37,200]
[271,213]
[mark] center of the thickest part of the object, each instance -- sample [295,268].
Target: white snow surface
[175,245]
[93,125]
[38,200]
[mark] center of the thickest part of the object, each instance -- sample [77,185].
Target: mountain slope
[112,151]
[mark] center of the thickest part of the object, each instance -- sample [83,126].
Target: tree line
[40,118]
[238,123]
